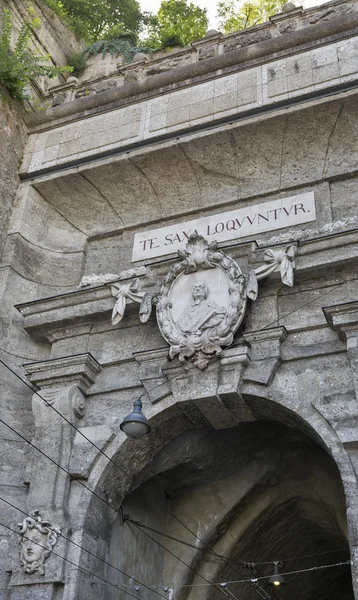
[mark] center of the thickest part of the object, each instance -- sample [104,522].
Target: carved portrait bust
[37,539]
[201,313]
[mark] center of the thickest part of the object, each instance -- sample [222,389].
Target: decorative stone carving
[131,291]
[93,279]
[37,539]
[194,324]
[202,299]
[274,259]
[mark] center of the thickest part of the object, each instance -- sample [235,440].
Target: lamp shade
[135,425]
[276,579]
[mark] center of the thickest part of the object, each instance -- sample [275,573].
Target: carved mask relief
[37,539]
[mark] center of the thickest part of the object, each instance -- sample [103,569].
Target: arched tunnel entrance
[254,494]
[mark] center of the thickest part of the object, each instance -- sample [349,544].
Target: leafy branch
[21,65]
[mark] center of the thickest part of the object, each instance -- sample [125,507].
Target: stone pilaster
[344,319]
[57,408]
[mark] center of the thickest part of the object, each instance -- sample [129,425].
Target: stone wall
[13,137]
[256,454]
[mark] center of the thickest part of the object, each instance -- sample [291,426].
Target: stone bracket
[152,376]
[343,318]
[266,354]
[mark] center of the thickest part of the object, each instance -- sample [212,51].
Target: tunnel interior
[221,506]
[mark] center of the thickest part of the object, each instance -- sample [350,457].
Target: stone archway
[257,492]
[275,502]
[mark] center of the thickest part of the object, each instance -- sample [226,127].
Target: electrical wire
[254,580]
[87,551]
[169,380]
[75,565]
[150,587]
[177,557]
[91,491]
[109,458]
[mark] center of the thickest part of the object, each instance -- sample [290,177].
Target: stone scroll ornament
[202,300]
[37,539]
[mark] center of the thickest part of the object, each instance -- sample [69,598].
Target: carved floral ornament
[37,539]
[202,300]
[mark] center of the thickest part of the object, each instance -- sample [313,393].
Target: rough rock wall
[52,37]
[12,141]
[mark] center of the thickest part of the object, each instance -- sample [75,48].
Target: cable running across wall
[110,459]
[168,380]
[77,566]
[97,495]
[87,551]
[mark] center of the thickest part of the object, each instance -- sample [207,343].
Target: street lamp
[277,579]
[135,425]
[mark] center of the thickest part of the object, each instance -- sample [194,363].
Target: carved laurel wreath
[201,349]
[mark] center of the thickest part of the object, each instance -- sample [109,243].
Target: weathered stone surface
[12,141]
[254,458]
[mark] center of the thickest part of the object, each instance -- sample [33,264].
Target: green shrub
[21,65]
[123,44]
[77,60]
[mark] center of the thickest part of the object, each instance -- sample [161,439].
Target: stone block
[51,154]
[344,198]
[201,109]
[179,100]
[325,64]
[34,592]
[36,160]
[261,371]
[178,116]
[247,96]
[299,72]
[275,77]
[225,85]
[225,102]
[158,106]
[157,121]
[202,92]
[348,56]
[84,452]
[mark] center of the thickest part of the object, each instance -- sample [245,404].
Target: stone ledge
[81,369]
[343,318]
[292,42]
[67,315]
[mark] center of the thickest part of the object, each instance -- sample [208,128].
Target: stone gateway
[179,318]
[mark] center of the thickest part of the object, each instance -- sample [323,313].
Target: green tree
[177,23]
[21,65]
[96,19]
[235,15]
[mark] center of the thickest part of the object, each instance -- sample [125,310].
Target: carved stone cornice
[47,314]
[343,318]
[79,369]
